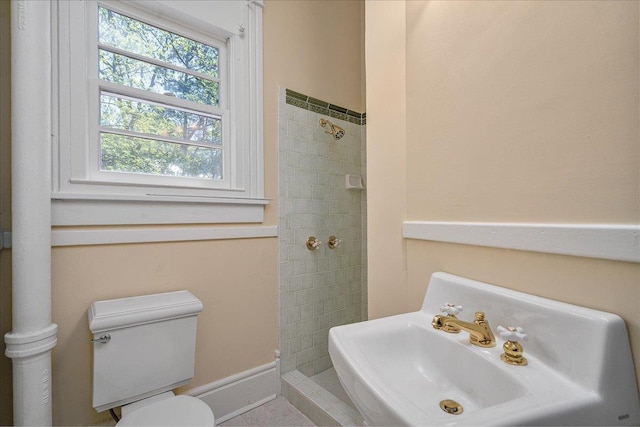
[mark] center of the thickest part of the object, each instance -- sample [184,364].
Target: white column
[33,336]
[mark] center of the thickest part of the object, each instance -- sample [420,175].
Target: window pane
[134,36]
[143,117]
[141,75]
[140,155]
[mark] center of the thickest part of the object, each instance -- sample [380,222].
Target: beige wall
[314,47]
[234,279]
[386,156]
[523,111]
[517,112]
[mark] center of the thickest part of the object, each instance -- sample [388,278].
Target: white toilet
[143,348]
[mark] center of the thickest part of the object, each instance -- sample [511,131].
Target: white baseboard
[234,395]
[607,241]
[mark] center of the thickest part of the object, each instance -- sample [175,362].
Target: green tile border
[306,102]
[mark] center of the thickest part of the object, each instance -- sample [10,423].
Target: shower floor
[330,382]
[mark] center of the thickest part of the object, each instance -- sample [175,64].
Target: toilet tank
[151,346]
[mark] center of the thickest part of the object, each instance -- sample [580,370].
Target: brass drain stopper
[451,407]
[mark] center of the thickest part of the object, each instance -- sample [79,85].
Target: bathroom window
[159,101]
[158,114]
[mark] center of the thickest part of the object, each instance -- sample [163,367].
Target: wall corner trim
[618,242]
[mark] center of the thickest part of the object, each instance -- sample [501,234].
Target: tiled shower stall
[325,287]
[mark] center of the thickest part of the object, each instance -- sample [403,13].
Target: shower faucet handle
[333,242]
[313,243]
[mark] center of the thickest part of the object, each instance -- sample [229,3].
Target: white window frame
[84,195]
[96,86]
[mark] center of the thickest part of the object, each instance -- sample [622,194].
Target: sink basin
[398,369]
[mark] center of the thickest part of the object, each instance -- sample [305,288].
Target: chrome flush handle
[103,339]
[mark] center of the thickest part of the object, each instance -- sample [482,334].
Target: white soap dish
[353,182]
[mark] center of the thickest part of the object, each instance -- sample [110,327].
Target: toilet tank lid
[131,311]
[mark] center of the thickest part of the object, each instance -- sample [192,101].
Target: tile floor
[278,412]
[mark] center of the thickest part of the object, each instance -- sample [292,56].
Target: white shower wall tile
[322,288]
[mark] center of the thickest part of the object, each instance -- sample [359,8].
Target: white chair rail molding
[618,242]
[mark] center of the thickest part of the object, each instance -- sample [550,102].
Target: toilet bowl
[144,347]
[167,409]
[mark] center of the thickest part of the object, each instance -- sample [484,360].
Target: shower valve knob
[333,242]
[313,243]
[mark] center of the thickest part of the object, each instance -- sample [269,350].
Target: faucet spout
[479,330]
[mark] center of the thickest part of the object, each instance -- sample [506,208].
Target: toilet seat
[175,411]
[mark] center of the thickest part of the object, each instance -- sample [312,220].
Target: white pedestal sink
[398,369]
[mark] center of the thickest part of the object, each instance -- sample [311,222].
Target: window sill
[72,209]
[64,236]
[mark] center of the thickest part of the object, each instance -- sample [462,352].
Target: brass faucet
[479,331]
